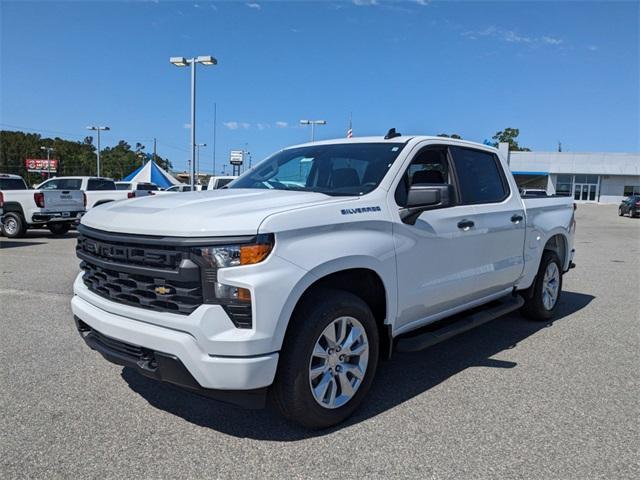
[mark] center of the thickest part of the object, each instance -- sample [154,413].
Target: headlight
[236,301]
[223,256]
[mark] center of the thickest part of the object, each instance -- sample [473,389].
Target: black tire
[534,307]
[59,228]
[620,212]
[13,225]
[291,393]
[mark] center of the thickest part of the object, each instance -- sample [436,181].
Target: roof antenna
[392,134]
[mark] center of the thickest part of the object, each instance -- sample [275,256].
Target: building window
[630,190]
[564,185]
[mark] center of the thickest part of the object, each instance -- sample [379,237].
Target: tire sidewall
[293,379]
[20,226]
[547,258]
[63,228]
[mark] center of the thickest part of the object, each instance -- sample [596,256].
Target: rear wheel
[620,213]
[59,228]
[542,298]
[328,360]
[13,225]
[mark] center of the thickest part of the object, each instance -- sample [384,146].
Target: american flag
[349,130]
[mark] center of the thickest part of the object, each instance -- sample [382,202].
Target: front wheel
[328,359]
[620,213]
[542,297]
[59,228]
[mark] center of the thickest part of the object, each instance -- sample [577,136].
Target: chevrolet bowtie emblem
[162,290]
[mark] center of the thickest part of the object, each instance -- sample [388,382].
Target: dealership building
[587,177]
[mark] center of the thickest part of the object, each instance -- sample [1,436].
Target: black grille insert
[152,277]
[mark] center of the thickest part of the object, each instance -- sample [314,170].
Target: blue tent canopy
[151,172]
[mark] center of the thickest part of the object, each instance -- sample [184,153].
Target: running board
[421,341]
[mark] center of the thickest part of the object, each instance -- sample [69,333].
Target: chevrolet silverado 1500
[293,281]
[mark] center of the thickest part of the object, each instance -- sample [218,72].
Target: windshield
[337,169]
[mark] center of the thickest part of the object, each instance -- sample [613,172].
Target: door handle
[515,218]
[465,224]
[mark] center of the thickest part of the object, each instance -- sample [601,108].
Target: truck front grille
[142,291]
[154,277]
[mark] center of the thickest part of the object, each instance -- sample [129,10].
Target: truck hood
[198,214]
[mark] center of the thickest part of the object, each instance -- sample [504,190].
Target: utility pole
[49,150]
[313,124]
[215,114]
[98,129]
[154,149]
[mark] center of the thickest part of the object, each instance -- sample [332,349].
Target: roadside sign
[236,157]
[41,165]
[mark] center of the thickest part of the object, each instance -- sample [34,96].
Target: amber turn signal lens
[250,254]
[244,295]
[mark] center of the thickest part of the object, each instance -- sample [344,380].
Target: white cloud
[423,3]
[511,36]
[186,125]
[245,125]
[255,5]
[592,48]
[365,3]
[281,124]
[263,126]
[231,125]
[551,40]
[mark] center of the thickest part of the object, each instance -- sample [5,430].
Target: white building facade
[587,177]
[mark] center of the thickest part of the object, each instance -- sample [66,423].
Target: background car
[630,206]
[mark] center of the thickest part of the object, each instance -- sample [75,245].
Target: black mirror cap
[423,197]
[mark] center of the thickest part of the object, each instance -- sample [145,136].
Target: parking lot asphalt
[510,399]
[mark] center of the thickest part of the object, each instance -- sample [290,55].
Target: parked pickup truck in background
[294,280]
[99,190]
[21,208]
[138,189]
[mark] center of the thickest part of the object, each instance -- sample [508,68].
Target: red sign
[41,164]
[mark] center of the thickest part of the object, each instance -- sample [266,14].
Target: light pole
[198,146]
[98,129]
[48,150]
[183,62]
[313,124]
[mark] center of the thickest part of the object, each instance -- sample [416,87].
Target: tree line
[74,157]
[508,135]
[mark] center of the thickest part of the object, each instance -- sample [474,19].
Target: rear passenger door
[498,218]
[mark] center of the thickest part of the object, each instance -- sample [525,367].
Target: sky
[558,71]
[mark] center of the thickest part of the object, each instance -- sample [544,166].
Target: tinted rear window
[12,184]
[223,181]
[62,184]
[100,184]
[479,175]
[123,186]
[147,186]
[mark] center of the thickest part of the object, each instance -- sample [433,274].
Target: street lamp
[48,150]
[98,129]
[183,62]
[198,146]
[313,123]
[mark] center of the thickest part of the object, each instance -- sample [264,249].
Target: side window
[430,166]
[100,184]
[480,177]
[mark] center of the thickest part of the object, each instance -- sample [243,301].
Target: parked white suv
[307,269]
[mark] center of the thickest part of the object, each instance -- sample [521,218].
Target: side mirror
[423,197]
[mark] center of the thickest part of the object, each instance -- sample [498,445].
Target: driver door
[436,257]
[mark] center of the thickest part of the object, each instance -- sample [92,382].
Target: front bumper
[217,372]
[163,367]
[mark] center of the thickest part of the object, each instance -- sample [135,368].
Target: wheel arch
[359,277]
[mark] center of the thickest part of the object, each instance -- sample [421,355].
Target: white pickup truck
[99,190]
[294,280]
[21,208]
